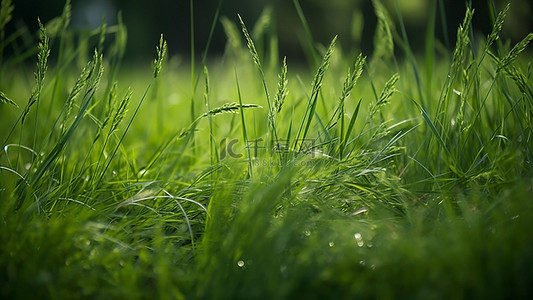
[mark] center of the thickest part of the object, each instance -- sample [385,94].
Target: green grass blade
[432,127]
[349,129]
[308,35]
[243,125]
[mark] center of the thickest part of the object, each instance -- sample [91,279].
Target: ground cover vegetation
[380,176]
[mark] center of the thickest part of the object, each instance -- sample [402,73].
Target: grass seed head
[282,92]
[498,24]
[81,82]
[517,49]
[229,108]
[121,111]
[383,41]
[317,80]
[161,52]
[6,11]
[462,42]
[386,94]
[250,43]
[5,99]
[233,35]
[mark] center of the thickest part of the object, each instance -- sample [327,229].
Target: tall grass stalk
[312,101]
[257,61]
[157,65]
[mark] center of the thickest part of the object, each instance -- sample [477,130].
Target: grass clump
[418,191]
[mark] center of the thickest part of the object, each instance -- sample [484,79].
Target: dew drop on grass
[359,239]
[331,244]
[114,172]
[307,233]
[240,263]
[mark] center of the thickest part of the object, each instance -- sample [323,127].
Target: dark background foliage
[146,20]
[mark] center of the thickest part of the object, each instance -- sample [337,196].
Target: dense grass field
[388,175]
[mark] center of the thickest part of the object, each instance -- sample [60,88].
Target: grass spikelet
[42,65]
[316,86]
[111,97]
[121,111]
[386,94]
[461,43]
[161,53]
[458,60]
[5,99]
[383,42]
[96,71]
[282,92]
[5,13]
[517,49]
[229,108]
[349,83]
[81,82]
[262,23]
[232,34]
[42,58]
[257,61]
[317,80]
[250,44]
[497,28]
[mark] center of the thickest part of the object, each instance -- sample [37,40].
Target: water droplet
[359,239]
[307,233]
[331,244]
[362,263]
[240,263]
[114,172]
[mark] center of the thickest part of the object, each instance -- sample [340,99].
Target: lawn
[389,175]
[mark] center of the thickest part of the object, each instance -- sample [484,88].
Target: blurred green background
[353,20]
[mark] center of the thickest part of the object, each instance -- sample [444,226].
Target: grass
[378,179]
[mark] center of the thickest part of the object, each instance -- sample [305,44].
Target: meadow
[388,175]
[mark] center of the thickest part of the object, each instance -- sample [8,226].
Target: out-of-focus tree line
[353,20]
